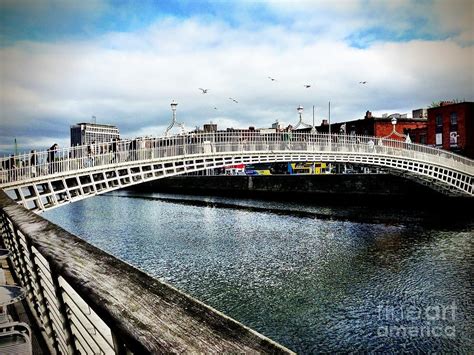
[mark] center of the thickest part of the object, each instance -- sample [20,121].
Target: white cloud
[130,78]
[456,17]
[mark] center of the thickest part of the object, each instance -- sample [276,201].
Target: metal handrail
[51,162]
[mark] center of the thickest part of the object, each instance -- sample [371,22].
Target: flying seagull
[230,98]
[307,86]
[272,79]
[215,108]
[362,82]
[204,91]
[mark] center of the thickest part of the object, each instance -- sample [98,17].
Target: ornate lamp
[174,105]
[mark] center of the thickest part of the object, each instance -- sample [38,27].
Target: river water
[313,278]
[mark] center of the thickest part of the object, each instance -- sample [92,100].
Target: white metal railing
[43,163]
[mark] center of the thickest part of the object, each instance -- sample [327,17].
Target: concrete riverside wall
[369,186]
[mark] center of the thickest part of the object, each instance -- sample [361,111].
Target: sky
[64,61]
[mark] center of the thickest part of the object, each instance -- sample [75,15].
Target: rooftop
[95,124]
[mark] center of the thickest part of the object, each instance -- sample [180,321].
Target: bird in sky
[362,82]
[204,91]
[307,86]
[272,79]
[215,108]
[230,98]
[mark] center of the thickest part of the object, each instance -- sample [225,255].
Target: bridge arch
[78,174]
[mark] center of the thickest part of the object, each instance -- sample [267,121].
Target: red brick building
[377,126]
[451,127]
[419,135]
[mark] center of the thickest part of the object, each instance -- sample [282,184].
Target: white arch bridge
[48,179]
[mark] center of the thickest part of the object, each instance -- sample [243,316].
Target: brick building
[419,135]
[377,126]
[451,127]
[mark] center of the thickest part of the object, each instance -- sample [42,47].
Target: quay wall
[344,188]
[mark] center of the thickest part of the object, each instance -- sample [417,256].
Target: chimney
[324,123]
[445,103]
[368,114]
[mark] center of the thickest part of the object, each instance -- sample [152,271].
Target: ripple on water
[318,281]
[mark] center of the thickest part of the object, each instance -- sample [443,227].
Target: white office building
[87,133]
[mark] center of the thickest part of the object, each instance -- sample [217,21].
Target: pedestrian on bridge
[33,162]
[371,145]
[379,145]
[90,154]
[51,157]
[114,151]
[9,166]
[132,155]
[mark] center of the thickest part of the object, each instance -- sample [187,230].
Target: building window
[439,130]
[453,130]
[454,119]
[439,124]
[422,138]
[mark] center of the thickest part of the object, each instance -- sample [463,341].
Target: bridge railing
[54,161]
[86,301]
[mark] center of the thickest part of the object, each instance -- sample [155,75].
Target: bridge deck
[46,179]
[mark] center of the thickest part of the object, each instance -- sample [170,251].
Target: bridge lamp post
[300,122]
[300,110]
[300,113]
[174,104]
[394,122]
[313,128]
[394,132]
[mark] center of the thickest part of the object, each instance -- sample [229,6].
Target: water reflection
[313,278]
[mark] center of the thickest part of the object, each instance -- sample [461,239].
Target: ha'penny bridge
[86,301]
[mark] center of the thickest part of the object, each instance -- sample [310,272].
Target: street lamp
[300,122]
[300,111]
[394,131]
[174,104]
[394,122]
[313,129]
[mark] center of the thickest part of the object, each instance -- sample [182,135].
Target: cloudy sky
[62,62]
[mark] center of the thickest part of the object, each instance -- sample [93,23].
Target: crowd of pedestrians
[54,159]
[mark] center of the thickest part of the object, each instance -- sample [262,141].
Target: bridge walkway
[75,173]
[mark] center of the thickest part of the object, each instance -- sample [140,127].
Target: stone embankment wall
[358,187]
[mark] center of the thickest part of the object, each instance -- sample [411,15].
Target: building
[378,126]
[419,135]
[237,169]
[87,133]
[451,127]
[277,126]
[420,113]
[210,127]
